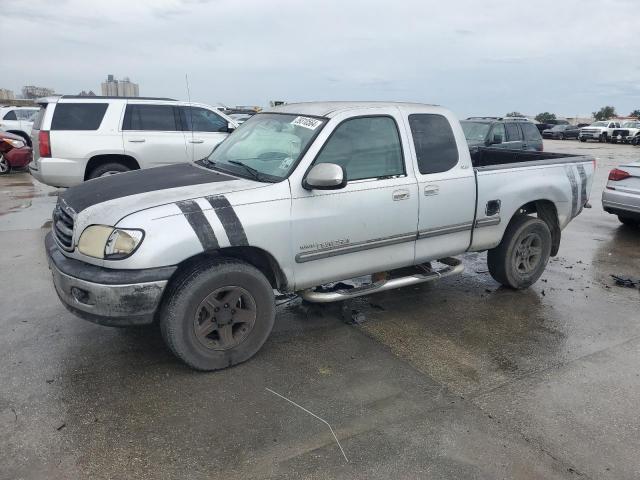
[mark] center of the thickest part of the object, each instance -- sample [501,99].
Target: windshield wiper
[254,173]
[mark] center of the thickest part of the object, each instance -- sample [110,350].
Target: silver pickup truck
[294,200]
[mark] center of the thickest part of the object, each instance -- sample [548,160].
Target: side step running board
[453,266]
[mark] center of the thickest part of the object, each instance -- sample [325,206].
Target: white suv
[80,138]
[18,120]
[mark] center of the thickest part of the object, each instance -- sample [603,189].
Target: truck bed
[484,157]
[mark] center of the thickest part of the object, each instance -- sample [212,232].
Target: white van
[80,138]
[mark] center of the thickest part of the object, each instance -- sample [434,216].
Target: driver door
[371,223]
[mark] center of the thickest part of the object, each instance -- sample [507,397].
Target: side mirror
[230,127]
[496,140]
[325,176]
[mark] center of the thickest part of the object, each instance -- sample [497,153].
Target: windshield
[558,128]
[266,147]
[475,131]
[600,124]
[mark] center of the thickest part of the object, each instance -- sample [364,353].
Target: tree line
[605,113]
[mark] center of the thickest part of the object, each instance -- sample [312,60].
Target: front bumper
[593,135]
[106,296]
[19,157]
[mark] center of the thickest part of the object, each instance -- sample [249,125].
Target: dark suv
[498,132]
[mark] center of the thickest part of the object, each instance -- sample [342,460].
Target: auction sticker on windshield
[306,122]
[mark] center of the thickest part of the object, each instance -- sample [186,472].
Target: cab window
[367,147]
[436,148]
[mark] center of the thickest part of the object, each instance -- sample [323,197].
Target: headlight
[14,143]
[102,241]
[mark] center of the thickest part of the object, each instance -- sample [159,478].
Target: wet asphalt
[454,379]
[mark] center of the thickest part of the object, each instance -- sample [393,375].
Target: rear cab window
[436,147]
[78,116]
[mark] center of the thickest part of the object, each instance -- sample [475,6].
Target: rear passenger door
[514,136]
[446,188]
[152,134]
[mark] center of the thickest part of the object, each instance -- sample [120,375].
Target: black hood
[108,188]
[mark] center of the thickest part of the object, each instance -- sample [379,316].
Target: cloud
[475,57]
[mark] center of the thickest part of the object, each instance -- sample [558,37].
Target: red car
[14,152]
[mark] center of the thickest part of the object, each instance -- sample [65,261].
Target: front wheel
[4,165]
[218,314]
[522,255]
[582,139]
[561,136]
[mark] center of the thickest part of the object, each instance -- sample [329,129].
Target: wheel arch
[22,134]
[255,256]
[546,211]
[97,160]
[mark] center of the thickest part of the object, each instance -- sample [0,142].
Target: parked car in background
[14,152]
[240,118]
[621,196]
[18,120]
[549,124]
[560,132]
[293,200]
[79,138]
[510,133]
[626,132]
[598,130]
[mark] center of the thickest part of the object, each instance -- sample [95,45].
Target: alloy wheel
[528,253]
[225,318]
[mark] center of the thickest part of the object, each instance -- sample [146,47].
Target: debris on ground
[61,426]
[333,287]
[628,282]
[351,316]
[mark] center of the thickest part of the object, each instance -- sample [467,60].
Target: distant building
[119,88]
[6,94]
[31,91]
[87,94]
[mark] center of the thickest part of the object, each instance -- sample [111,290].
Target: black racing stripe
[229,219]
[199,223]
[583,187]
[139,181]
[574,189]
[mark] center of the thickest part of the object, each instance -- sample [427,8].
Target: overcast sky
[476,57]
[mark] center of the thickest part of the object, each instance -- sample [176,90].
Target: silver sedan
[621,197]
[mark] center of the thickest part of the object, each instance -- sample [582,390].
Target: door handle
[401,195]
[195,140]
[431,190]
[137,140]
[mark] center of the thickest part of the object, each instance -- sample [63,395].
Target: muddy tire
[522,255]
[5,168]
[107,169]
[217,314]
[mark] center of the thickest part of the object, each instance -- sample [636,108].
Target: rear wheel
[522,255]
[582,139]
[107,169]
[4,165]
[218,314]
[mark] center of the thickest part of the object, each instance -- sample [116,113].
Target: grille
[63,226]
[623,133]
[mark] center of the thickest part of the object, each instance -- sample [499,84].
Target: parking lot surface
[454,379]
